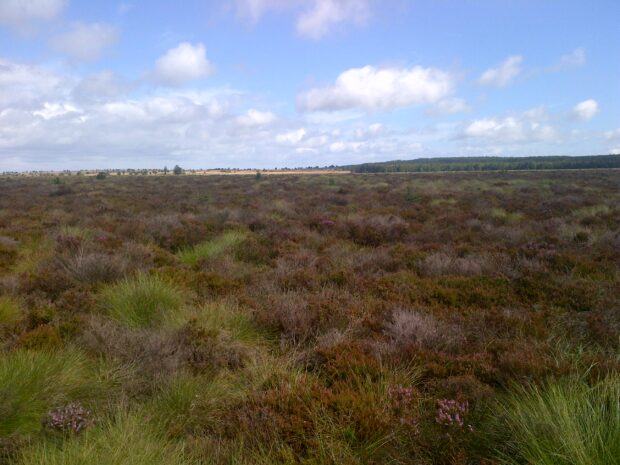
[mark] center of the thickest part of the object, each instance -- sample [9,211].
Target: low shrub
[375,230]
[412,328]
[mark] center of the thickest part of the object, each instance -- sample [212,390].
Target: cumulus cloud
[184,63]
[256,118]
[291,137]
[586,110]
[324,15]
[576,58]
[315,18]
[449,106]
[101,86]
[613,134]
[21,14]
[504,74]
[85,42]
[25,86]
[375,89]
[526,127]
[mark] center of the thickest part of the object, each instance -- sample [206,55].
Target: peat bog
[447,318]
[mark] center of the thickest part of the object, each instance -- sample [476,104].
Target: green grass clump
[31,383]
[229,317]
[213,248]
[564,423]
[126,440]
[142,301]
[9,311]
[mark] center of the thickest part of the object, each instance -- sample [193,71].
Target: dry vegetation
[333,319]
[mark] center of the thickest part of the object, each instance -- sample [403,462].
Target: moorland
[441,318]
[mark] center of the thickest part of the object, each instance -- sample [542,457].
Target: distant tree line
[488,164]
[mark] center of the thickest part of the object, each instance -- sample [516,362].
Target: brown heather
[297,319]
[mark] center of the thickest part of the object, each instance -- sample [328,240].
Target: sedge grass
[563,423]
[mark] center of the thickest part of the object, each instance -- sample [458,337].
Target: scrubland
[464,318]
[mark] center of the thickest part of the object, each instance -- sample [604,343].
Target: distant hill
[488,164]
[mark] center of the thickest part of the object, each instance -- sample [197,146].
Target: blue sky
[275,83]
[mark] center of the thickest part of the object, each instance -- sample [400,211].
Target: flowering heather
[452,413]
[71,417]
[402,401]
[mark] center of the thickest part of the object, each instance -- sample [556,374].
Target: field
[446,318]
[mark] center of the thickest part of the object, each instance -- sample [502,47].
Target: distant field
[461,318]
[185,173]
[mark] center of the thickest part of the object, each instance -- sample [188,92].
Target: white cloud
[576,58]
[613,134]
[314,18]
[255,9]
[184,63]
[503,74]
[256,118]
[324,15]
[376,89]
[450,106]
[22,86]
[20,14]
[526,127]
[101,86]
[85,42]
[370,131]
[291,137]
[53,110]
[586,110]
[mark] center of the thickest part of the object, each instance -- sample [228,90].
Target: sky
[94,84]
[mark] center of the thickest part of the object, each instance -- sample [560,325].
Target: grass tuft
[142,301]
[126,440]
[9,311]
[563,423]
[33,382]
[213,248]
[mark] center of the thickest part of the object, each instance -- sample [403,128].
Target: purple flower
[452,413]
[72,417]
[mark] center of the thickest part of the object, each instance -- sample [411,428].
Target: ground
[315,319]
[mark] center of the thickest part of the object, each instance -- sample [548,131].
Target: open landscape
[309,232]
[330,319]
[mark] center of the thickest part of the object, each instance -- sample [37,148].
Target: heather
[438,318]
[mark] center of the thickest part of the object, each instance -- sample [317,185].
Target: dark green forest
[488,164]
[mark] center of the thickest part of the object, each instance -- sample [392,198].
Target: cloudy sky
[275,83]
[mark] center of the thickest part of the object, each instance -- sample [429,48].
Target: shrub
[409,327]
[566,422]
[213,248]
[70,418]
[92,268]
[376,230]
[141,301]
[31,383]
